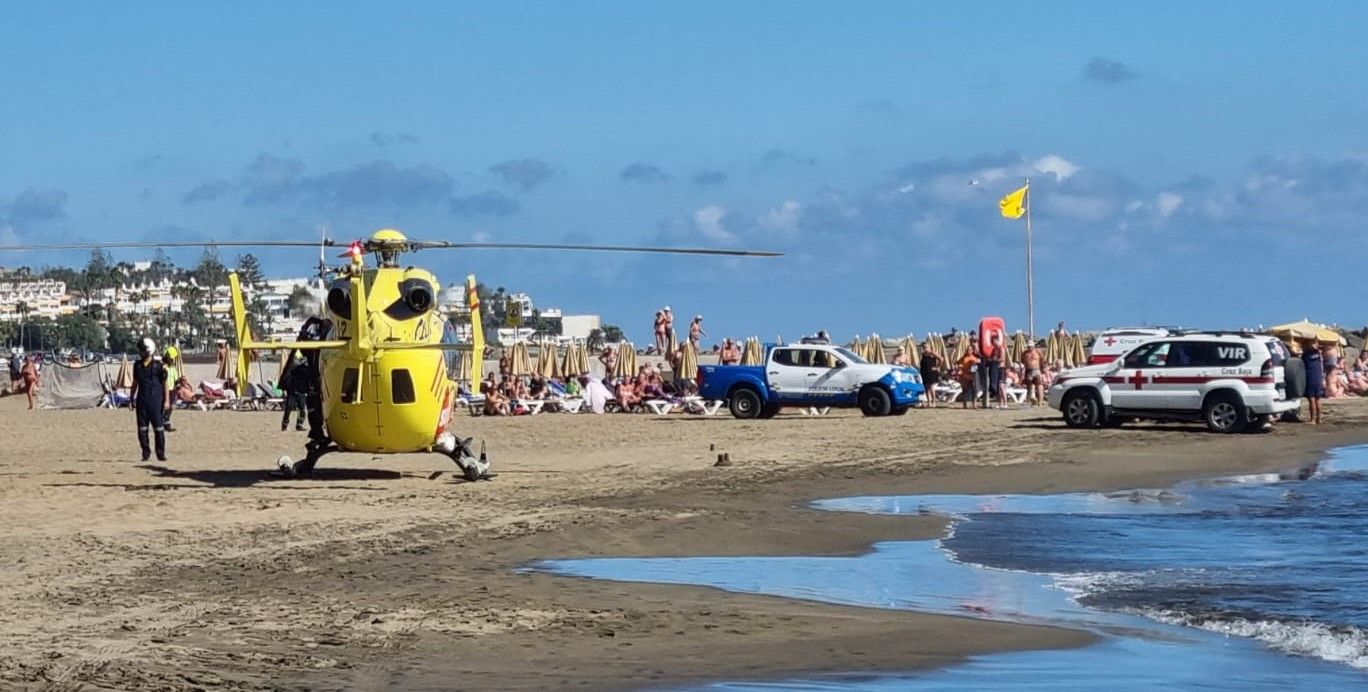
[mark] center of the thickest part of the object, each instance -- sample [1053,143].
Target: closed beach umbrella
[546,358]
[1018,346]
[522,359]
[582,356]
[465,366]
[672,345]
[568,361]
[1080,351]
[1052,348]
[751,354]
[124,380]
[688,363]
[627,360]
[223,367]
[876,350]
[909,346]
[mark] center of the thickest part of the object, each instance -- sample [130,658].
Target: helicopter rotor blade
[116,245]
[442,244]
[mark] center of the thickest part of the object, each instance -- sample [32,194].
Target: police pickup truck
[811,374]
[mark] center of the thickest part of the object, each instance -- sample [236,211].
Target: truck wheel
[745,403]
[899,410]
[1225,413]
[769,411]
[874,401]
[1081,409]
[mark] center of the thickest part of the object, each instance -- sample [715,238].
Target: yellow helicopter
[383,371]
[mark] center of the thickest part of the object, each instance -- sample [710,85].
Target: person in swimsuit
[30,375]
[1035,384]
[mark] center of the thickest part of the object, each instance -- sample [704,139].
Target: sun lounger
[701,406]
[660,407]
[947,391]
[533,406]
[569,404]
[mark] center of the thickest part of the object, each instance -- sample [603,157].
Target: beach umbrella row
[874,350]
[752,353]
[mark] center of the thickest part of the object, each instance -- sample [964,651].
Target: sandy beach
[390,572]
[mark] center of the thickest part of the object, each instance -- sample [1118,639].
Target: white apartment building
[40,297]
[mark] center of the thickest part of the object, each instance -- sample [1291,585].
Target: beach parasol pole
[1030,268]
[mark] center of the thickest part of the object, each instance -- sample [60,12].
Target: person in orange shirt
[965,371]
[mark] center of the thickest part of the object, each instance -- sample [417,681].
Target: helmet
[147,346]
[171,352]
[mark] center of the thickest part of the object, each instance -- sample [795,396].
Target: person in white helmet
[150,398]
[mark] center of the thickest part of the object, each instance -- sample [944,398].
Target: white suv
[1226,379]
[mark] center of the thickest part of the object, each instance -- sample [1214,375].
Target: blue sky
[1196,163]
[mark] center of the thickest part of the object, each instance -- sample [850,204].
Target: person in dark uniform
[296,382]
[314,329]
[150,397]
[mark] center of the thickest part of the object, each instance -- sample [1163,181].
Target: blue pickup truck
[811,375]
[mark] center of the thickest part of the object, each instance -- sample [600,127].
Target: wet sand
[390,572]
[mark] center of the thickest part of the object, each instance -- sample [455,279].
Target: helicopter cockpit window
[349,383]
[401,386]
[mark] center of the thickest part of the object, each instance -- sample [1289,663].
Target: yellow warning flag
[1014,204]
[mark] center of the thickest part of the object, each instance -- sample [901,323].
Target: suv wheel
[874,401]
[745,403]
[1224,412]
[1081,409]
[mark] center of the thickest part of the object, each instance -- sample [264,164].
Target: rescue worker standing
[150,397]
[296,382]
[170,357]
[314,329]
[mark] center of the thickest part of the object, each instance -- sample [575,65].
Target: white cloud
[1061,167]
[708,221]
[784,217]
[1168,203]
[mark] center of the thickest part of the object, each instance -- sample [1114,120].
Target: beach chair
[532,406]
[475,403]
[947,391]
[660,407]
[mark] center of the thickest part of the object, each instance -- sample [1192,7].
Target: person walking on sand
[1035,384]
[30,375]
[1315,377]
[150,399]
[169,359]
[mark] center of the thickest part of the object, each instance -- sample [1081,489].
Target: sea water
[1247,582]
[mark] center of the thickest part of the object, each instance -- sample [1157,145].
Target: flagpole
[1030,276]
